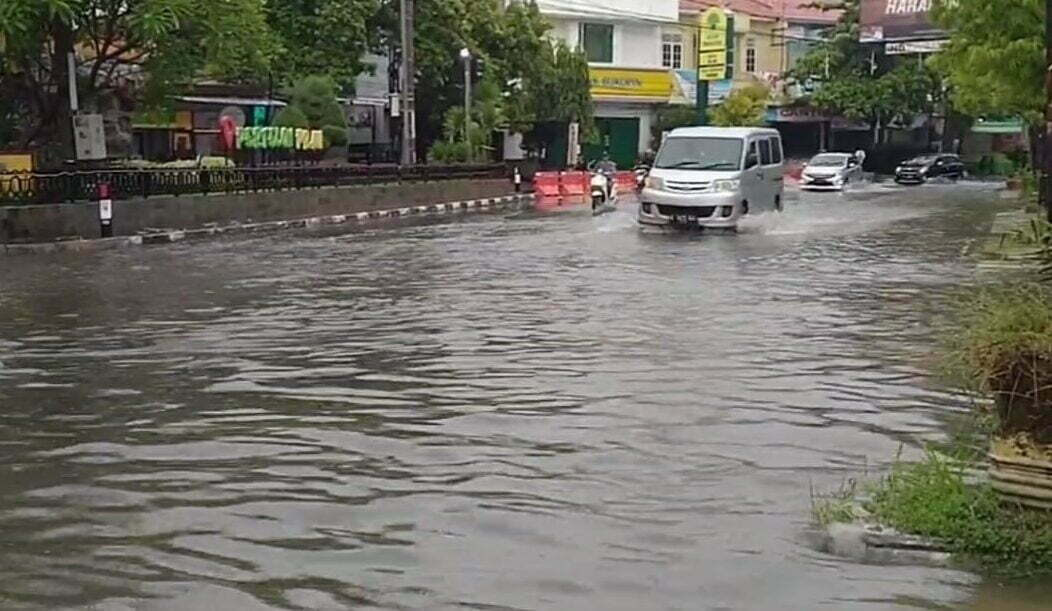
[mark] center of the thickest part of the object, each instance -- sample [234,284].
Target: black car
[920,169]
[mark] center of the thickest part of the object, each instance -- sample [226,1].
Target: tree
[861,83]
[542,81]
[487,115]
[744,107]
[555,93]
[323,37]
[995,60]
[128,48]
[669,118]
[314,105]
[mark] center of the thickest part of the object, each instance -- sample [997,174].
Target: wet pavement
[502,411]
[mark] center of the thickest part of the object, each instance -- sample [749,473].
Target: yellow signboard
[712,48]
[712,74]
[713,30]
[712,58]
[651,85]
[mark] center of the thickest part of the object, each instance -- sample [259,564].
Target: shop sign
[796,114]
[280,138]
[897,20]
[712,46]
[915,47]
[656,85]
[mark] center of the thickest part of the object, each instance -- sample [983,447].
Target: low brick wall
[21,224]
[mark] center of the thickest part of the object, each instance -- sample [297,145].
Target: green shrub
[445,151]
[334,135]
[291,116]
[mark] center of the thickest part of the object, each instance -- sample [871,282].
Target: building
[193,128]
[805,24]
[632,46]
[369,126]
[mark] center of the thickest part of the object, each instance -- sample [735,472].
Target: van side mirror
[751,161]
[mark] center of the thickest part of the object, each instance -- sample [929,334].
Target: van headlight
[724,186]
[654,182]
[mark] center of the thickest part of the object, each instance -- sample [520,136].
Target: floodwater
[505,411]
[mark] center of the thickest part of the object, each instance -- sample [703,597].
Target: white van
[712,176]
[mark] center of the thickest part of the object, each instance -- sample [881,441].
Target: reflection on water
[536,411]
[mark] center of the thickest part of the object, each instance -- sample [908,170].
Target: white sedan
[830,172]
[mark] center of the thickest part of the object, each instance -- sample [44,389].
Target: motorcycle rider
[608,169]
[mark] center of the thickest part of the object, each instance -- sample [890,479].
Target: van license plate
[686,219]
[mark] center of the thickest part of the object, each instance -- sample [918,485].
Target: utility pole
[1046,180]
[465,55]
[408,82]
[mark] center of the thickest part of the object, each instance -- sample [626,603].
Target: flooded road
[517,411]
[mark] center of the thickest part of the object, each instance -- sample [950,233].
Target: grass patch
[838,506]
[933,498]
[938,498]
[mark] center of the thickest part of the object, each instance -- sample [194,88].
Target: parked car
[830,171]
[709,177]
[921,169]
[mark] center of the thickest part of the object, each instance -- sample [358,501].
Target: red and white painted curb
[170,237]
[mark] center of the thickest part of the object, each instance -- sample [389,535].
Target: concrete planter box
[1021,472]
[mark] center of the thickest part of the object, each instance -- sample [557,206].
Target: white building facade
[632,46]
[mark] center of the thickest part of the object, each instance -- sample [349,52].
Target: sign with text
[915,47]
[280,138]
[712,45]
[897,20]
[655,85]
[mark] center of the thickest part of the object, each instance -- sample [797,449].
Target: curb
[171,237]
[873,544]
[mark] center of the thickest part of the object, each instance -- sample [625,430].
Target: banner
[897,20]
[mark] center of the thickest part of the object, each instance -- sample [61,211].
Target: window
[776,150]
[672,55]
[672,51]
[751,153]
[708,154]
[750,60]
[765,151]
[597,40]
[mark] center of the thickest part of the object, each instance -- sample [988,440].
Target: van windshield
[721,154]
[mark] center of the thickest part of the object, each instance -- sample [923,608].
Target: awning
[228,101]
[632,85]
[1012,126]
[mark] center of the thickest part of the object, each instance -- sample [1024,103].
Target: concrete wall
[636,45]
[52,222]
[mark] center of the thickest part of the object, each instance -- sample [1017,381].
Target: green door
[619,137]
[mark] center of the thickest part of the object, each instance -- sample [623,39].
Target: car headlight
[726,185]
[924,171]
[654,182]
[898,170]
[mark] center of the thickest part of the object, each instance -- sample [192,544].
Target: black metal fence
[66,187]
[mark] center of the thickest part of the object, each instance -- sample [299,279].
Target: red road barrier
[546,183]
[573,184]
[626,181]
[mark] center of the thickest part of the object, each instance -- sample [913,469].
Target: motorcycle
[603,192]
[641,172]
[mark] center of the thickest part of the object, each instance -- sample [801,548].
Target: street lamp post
[465,55]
